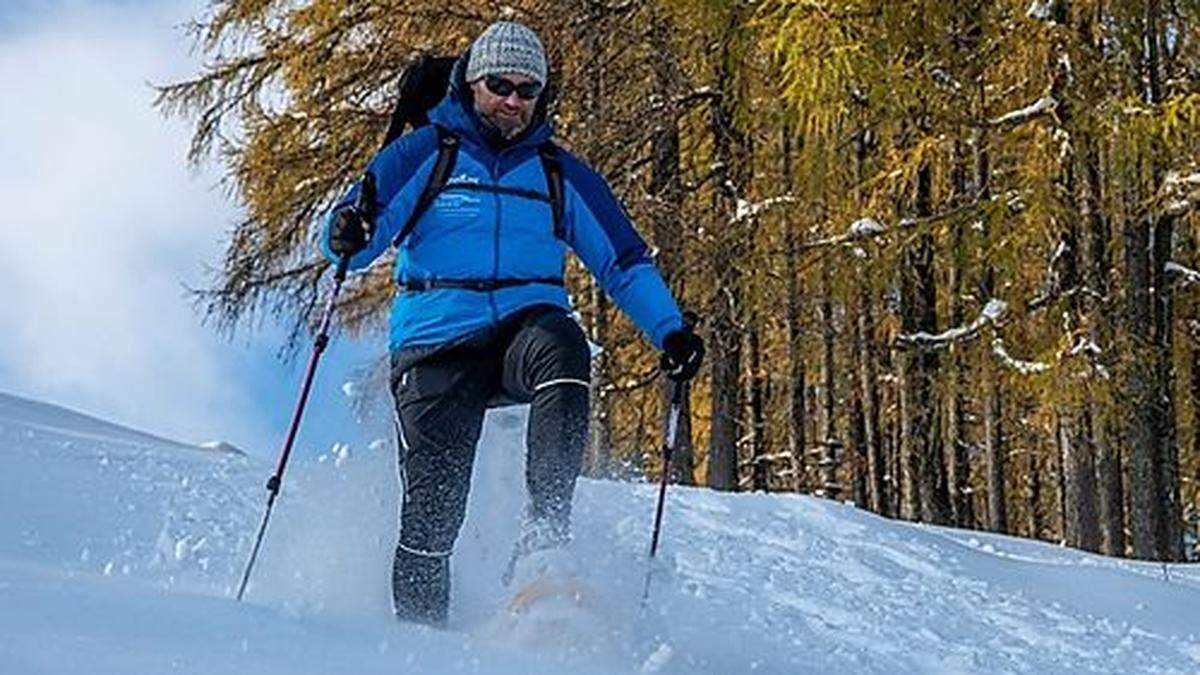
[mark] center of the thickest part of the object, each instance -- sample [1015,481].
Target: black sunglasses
[526,91]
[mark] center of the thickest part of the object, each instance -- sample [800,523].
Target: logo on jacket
[457,205]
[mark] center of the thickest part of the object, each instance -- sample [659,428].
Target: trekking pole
[366,199]
[677,393]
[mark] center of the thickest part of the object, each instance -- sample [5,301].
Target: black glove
[349,232]
[683,351]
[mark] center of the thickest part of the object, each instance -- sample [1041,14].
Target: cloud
[101,224]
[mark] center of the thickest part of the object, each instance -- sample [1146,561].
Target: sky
[103,226]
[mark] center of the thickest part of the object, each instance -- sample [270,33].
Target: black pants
[540,357]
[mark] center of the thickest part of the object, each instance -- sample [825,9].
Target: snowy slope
[119,553]
[38,416]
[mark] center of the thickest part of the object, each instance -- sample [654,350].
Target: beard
[508,127]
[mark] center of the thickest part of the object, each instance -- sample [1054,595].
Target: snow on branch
[1181,274]
[686,101]
[1190,181]
[1043,106]
[863,228]
[868,228]
[992,312]
[1181,193]
[615,8]
[1040,10]
[1051,286]
[1019,365]
[747,210]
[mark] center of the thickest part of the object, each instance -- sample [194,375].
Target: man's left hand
[683,352]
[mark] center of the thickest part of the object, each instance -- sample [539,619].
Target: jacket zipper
[495,237]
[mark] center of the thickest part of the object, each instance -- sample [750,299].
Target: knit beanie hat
[507,47]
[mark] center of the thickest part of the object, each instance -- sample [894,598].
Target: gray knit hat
[507,47]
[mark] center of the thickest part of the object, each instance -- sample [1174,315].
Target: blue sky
[104,224]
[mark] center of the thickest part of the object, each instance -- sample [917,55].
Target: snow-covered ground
[120,553]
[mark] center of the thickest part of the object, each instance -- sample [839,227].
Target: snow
[1186,274]
[1038,107]
[866,227]
[1177,207]
[994,309]
[222,446]
[1177,180]
[1021,366]
[1178,199]
[991,313]
[1039,10]
[120,557]
[746,210]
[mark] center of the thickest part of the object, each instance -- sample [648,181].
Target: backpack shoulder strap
[446,158]
[552,166]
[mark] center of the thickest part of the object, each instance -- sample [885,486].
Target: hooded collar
[456,113]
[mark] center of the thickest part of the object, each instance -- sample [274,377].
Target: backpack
[423,84]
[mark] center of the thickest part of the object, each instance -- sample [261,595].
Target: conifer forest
[945,253]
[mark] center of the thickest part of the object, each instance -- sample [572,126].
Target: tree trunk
[1110,503]
[1109,476]
[1081,524]
[1194,394]
[858,450]
[797,377]
[683,468]
[856,422]
[1145,507]
[726,363]
[761,467]
[1154,469]
[1170,526]
[832,447]
[666,191]
[600,437]
[959,473]
[867,392]
[1058,471]
[1080,517]
[994,451]
[731,175]
[919,450]
[599,464]
[877,494]
[1034,484]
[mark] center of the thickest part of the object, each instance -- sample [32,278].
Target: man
[481,316]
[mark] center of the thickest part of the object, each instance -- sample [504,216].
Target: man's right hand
[349,232]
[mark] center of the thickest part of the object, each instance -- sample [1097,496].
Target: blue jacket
[469,234]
